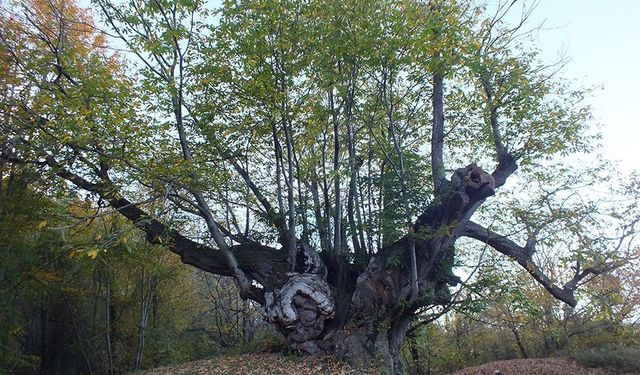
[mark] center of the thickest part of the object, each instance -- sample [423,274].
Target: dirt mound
[541,366]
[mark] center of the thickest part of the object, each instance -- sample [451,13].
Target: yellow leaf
[93,253]
[41,225]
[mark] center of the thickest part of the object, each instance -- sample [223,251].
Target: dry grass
[541,366]
[257,364]
[277,364]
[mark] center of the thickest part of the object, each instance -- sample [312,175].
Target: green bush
[619,357]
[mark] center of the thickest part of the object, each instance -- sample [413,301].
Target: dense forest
[400,184]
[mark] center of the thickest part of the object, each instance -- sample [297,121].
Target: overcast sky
[602,39]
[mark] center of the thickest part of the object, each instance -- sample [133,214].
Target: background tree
[327,156]
[93,296]
[505,318]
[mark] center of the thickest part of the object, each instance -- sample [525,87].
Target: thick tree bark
[309,308]
[328,306]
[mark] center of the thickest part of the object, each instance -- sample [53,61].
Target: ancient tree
[328,156]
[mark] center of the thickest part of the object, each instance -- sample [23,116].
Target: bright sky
[602,39]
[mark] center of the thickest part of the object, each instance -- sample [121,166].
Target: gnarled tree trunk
[362,316]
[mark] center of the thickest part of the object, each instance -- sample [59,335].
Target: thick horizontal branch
[593,272]
[522,255]
[263,264]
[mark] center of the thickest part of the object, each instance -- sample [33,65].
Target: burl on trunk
[328,306]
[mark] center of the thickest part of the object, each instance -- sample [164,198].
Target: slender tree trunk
[43,339]
[370,198]
[80,338]
[304,201]
[278,161]
[147,291]
[109,310]
[516,336]
[291,203]
[337,220]
[415,355]
[320,220]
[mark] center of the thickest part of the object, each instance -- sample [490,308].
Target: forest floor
[277,364]
[538,366]
[257,364]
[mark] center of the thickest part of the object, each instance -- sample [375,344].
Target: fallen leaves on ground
[257,364]
[540,366]
[278,364]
